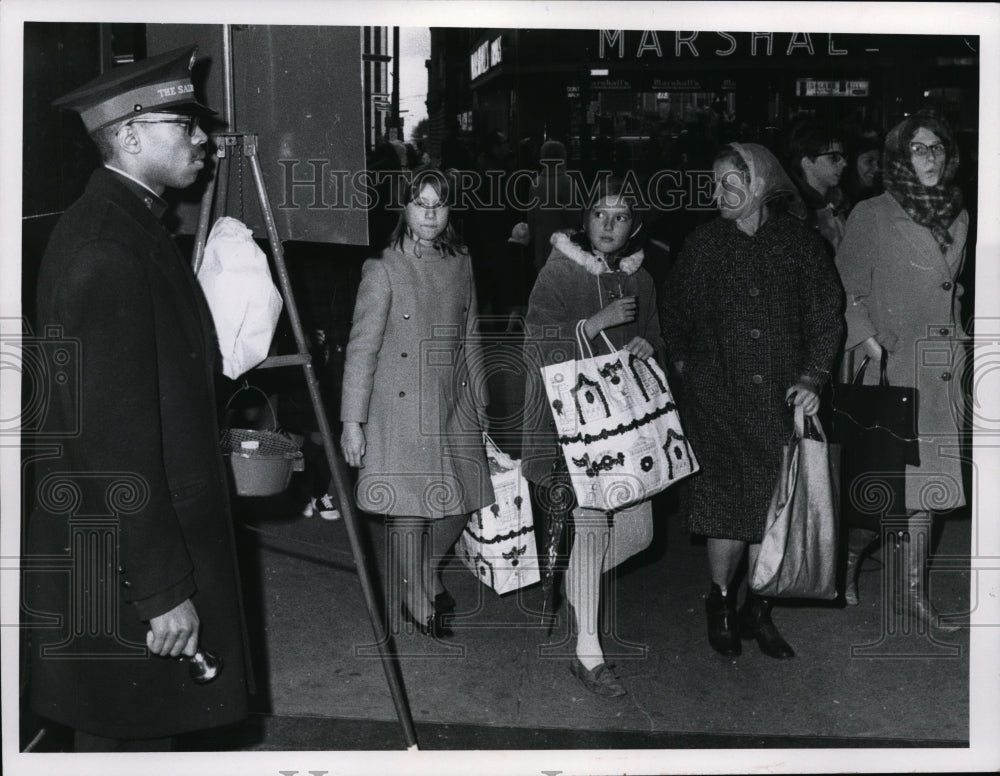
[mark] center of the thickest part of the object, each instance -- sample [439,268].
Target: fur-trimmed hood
[594,265]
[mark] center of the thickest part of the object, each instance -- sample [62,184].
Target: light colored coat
[410,377]
[902,290]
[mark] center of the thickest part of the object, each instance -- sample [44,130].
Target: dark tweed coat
[749,317]
[133,516]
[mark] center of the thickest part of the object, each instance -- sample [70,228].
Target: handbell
[204,666]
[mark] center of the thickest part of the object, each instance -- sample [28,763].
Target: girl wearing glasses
[899,261]
[413,411]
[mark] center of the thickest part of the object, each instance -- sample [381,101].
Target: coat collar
[594,265]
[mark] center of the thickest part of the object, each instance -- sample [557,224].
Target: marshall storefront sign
[651,44]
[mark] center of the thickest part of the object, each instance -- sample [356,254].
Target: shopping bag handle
[883,381]
[808,426]
[584,344]
[247,387]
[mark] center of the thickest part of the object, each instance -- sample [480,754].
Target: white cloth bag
[244,301]
[498,543]
[617,426]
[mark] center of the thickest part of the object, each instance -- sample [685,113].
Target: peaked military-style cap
[158,84]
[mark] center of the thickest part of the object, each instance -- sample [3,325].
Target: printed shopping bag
[798,554]
[498,542]
[617,426]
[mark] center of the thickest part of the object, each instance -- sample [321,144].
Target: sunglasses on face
[922,151]
[190,123]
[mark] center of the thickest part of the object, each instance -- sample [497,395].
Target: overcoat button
[946,376]
[402,394]
[946,285]
[757,379]
[943,332]
[464,383]
[121,570]
[406,316]
[755,333]
[754,292]
[402,355]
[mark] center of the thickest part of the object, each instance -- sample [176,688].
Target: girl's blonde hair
[410,185]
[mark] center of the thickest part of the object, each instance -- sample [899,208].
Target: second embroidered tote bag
[617,426]
[498,542]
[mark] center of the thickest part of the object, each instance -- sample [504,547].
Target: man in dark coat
[132,517]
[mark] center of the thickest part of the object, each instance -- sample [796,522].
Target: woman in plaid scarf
[899,262]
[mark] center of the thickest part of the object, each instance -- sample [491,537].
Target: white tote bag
[244,302]
[617,426]
[498,543]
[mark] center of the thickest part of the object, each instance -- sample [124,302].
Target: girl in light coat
[413,406]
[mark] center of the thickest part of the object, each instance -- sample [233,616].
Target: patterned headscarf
[935,207]
[761,163]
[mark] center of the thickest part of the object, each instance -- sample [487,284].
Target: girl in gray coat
[413,411]
[899,261]
[593,275]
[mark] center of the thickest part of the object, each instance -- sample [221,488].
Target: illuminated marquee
[486,56]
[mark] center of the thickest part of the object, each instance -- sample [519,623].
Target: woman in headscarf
[753,319]
[899,261]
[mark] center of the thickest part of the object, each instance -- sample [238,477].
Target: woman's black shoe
[755,623]
[444,603]
[432,627]
[723,625]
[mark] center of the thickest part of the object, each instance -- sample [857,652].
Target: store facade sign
[811,87]
[488,54]
[610,85]
[649,44]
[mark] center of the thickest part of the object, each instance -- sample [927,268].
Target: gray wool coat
[412,377]
[572,286]
[749,317]
[901,289]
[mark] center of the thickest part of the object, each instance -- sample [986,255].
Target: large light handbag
[498,543]
[798,554]
[617,426]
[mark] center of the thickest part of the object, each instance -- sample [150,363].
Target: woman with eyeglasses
[413,405]
[899,261]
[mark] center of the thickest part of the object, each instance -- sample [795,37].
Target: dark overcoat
[903,290]
[132,516]
[749,317]
[412,376]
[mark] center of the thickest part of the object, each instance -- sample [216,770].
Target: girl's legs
[724,556]
[599,547]
[408,548]
[443,535]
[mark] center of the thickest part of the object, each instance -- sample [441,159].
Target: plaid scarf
[935,207]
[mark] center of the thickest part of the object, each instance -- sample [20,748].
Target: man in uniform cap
[132,517]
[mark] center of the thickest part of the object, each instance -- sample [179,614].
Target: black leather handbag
[876,426]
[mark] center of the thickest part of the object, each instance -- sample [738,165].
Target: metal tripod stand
[228,145]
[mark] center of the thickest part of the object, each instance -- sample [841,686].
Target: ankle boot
[755,623]
[859,542]
[910,597]
[723,627]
